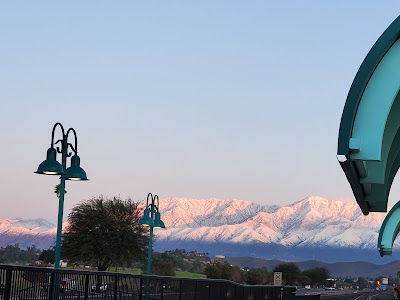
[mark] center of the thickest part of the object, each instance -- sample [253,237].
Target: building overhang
[369,134]
[389,230]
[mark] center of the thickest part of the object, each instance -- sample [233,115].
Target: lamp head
[75,172]
[157,221]
[50,166]
[146,220]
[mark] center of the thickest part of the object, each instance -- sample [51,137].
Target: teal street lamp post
[52,167]
[152,218]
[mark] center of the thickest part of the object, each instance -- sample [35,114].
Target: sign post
[277,278]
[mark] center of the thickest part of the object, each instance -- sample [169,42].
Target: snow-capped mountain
[27,232]
[215,225]
[313,221]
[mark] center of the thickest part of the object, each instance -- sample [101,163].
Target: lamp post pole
[150,253]
[57,257]
[152,218]
[52,167]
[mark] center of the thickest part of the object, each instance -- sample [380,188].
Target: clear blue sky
[225,99]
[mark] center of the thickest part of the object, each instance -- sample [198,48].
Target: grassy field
[180,274]
[134,271]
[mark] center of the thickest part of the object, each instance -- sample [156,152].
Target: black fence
[18,282]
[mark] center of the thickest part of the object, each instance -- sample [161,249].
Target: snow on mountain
[27,232]
[31,225]
[311,222]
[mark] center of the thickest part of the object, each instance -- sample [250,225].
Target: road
[347,294]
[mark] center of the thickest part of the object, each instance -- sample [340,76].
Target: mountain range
[338,269]
[312,228]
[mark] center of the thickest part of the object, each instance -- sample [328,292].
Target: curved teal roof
[389,230]
[367,68]
[369,134]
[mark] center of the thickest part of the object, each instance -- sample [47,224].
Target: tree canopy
[163,264]
[13,254]
[290,272]
[47,256]
[103,232]
[222,271]
[317,275]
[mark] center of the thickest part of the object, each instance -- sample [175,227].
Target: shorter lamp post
[152,218]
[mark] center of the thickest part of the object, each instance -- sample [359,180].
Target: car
[67,285]
[308,287]
[101,288]
[329,288]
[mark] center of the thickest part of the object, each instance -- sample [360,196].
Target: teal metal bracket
[389,230]
[369,133]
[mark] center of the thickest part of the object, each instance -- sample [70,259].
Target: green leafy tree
[196,265]
[47,256]
[219,271]
[13,254]
[162,266]
[317,275]
[103,232]
[304,280]
[348,280]
[180,263]
[213,271]
[223,271]
[57,190]
[236,275]
[255,277]
[362,282]
[290,272]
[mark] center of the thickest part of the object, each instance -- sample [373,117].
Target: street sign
[277,278]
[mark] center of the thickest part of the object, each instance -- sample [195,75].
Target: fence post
[116,287]
[162,289]
[141,288]
[180,289]
[52,285]
[86,286]
[7,291]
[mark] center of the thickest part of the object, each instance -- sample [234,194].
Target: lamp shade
[146,220]
[157,221]
[75,172]
[50,166]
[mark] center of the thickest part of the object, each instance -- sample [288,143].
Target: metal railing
[17,282]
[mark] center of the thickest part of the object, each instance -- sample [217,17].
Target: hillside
[348,269]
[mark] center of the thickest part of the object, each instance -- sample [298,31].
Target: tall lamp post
[52,167]
[152,218]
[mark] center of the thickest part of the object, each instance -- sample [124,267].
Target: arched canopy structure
[389,230]
[369,134]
